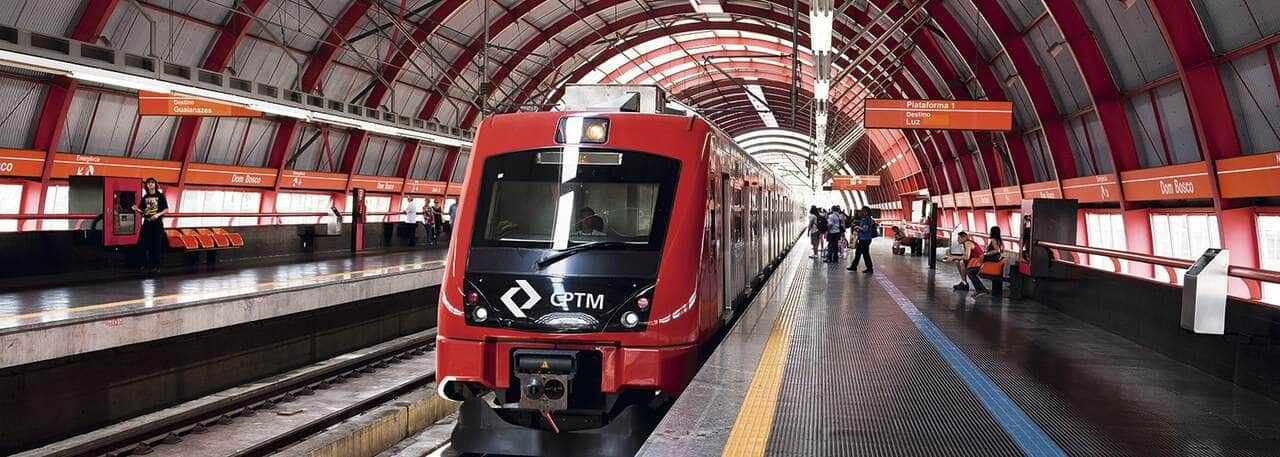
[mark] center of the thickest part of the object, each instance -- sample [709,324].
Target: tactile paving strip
[861,380]
[750,431]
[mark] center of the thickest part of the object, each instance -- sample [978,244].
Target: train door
[727,277]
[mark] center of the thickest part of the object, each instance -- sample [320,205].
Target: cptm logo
[529,292]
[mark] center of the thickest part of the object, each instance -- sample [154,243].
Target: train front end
[570,308]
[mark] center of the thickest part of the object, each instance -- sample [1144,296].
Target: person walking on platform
[151,238]
[835,231]
[866,229]
[817,229]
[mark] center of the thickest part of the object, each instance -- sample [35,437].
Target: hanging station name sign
[938,115]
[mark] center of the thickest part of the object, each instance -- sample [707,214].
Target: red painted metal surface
[685,305]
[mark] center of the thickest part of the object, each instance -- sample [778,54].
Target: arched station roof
[1099,87]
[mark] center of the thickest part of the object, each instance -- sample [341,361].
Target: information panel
[938,114]
[173,104]
[859,182]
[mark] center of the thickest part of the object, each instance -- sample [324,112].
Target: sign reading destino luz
[938,114]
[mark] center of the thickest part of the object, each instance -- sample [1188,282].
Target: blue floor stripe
[1015,422]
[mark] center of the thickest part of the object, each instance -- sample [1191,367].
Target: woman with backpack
[817,230]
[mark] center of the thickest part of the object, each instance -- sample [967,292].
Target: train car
[594,257]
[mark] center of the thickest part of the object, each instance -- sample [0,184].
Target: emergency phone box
[111,198]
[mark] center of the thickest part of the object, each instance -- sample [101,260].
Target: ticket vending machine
[113,198]
[1045,219]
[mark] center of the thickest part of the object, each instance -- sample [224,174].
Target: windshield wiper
[553,258]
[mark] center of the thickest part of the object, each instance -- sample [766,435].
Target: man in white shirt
[409,219]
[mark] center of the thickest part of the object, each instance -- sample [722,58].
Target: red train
[594,257]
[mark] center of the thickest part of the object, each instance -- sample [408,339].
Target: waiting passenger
[151,237]
[409,221]
[817,229]
[429,223]
[835,232]
[963,253]
[994,253]
[866,229]
[438,217]
[453,214]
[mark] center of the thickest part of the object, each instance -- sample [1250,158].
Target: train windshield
[534,199]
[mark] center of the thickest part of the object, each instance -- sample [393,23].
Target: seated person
[593,226]
[589,223]
[966,254]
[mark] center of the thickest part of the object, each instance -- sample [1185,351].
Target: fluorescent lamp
[134,82]
[822,90]
[707,6]
[820,23]
[766,114]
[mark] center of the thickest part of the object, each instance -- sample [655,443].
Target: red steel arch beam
[948,74]
[958,153]
[622,23]
[233,30]
[1033,80]
[678,82]
[1211,117]
[94,15]
[445,82]
[986,78]
[396,62]
[1103,90]
[699,43]
[1206,96]
[317,63]
[562,57]
[594,7]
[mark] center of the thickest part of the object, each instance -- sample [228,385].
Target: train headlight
[630,319]
[472,298]
[480,314]
[583,130]
[595,133]
[642,304]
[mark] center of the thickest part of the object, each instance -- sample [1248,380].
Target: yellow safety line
[258,286]
[750,433]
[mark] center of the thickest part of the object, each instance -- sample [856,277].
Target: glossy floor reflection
[72,302]
[862,379]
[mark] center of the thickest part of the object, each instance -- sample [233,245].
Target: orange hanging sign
[22,163]
[1092,189]
[175,104]
[226,175]
[165,171]
[377,183]
[1045,189]
[938,114]
[858,182]
[313,180]
[1186,181]
[1255,175]
[418,186]
[1007,196]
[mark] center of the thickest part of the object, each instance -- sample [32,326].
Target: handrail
[1252,277]
[922,227]
[1123,255]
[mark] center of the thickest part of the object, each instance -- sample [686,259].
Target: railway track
[321,396]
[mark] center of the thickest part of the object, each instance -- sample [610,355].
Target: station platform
[832,362]
[50,323]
